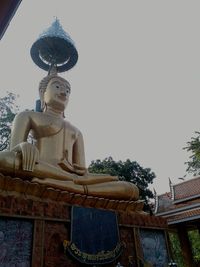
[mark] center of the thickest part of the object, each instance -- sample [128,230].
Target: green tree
[176,249]
[8,110]
[194,238]
[193,147]
[129,171]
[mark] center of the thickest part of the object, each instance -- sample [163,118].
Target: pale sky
[136,86]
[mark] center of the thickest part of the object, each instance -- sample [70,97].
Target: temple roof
[189,215]
[7,11]
[187,189]
[181,204]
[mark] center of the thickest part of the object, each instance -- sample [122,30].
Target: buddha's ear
[43,106]
[42,100]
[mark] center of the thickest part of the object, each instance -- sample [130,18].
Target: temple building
[181,208]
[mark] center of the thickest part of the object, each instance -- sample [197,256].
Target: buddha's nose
[63,94]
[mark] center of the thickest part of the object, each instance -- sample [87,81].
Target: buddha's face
[57,94]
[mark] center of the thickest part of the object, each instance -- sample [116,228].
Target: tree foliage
[8,110]
[129,171]
[194,239]
[176,249]
[193,146]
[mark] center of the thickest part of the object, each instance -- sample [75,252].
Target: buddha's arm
[19,134]
[79,153]
[79,161]
[20,129]
[78,158]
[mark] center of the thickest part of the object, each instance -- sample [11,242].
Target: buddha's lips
[62,97]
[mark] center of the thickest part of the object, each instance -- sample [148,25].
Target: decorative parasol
[54,48]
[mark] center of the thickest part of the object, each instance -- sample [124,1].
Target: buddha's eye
[57,86]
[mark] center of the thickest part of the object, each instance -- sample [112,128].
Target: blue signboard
[94,236]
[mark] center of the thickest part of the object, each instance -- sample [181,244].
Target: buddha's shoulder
[71,127]
[28,114]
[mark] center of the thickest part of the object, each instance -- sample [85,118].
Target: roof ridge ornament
[171,185]
[54,49]
[156,201]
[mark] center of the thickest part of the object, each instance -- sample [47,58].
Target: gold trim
[100,256]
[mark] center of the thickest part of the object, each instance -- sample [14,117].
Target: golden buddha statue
[56,156]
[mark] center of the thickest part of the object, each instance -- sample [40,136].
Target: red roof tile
[187,189]
[184,215]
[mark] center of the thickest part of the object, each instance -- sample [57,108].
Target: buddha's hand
[75,168]
[30,155]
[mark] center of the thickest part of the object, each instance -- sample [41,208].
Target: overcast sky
[136,86]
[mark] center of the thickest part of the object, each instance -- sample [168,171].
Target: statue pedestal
[35,221]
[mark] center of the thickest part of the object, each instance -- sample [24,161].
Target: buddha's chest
[54,131]
[45,126]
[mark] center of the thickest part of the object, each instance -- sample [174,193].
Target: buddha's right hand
[30,155]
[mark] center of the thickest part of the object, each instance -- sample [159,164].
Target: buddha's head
[54,92]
